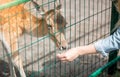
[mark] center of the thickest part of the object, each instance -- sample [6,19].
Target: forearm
[89,49]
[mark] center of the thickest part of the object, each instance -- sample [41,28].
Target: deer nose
[63,45]
[63,48]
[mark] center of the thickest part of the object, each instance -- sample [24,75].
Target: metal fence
[87,22]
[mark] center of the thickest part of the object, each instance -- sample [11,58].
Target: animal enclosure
[73,23]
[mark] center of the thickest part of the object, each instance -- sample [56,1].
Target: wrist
[80,50]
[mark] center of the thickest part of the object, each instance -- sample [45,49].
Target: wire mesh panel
[54,29]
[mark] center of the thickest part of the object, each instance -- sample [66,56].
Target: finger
[60,56]
[63,59]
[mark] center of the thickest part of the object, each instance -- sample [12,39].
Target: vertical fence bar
[65,69]
[113,54]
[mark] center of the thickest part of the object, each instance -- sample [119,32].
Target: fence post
[113,55]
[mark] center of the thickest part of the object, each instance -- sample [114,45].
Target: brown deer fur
[16,20]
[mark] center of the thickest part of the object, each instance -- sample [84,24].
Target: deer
[17,20]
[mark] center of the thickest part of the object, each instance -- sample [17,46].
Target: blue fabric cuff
[100,49]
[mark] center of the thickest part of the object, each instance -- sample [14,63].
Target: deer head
[55,22]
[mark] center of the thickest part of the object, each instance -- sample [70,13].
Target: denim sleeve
[108,44]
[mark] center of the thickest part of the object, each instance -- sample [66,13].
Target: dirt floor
[88,21]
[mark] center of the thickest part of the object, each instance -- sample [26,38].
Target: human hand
[73,53]
[69,55]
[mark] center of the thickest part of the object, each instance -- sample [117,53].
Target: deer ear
[38,9]
[58,7]
[58,4]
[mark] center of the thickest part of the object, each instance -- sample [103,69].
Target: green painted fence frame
[100,70]
[112,58]
[13,3]
[113,55]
